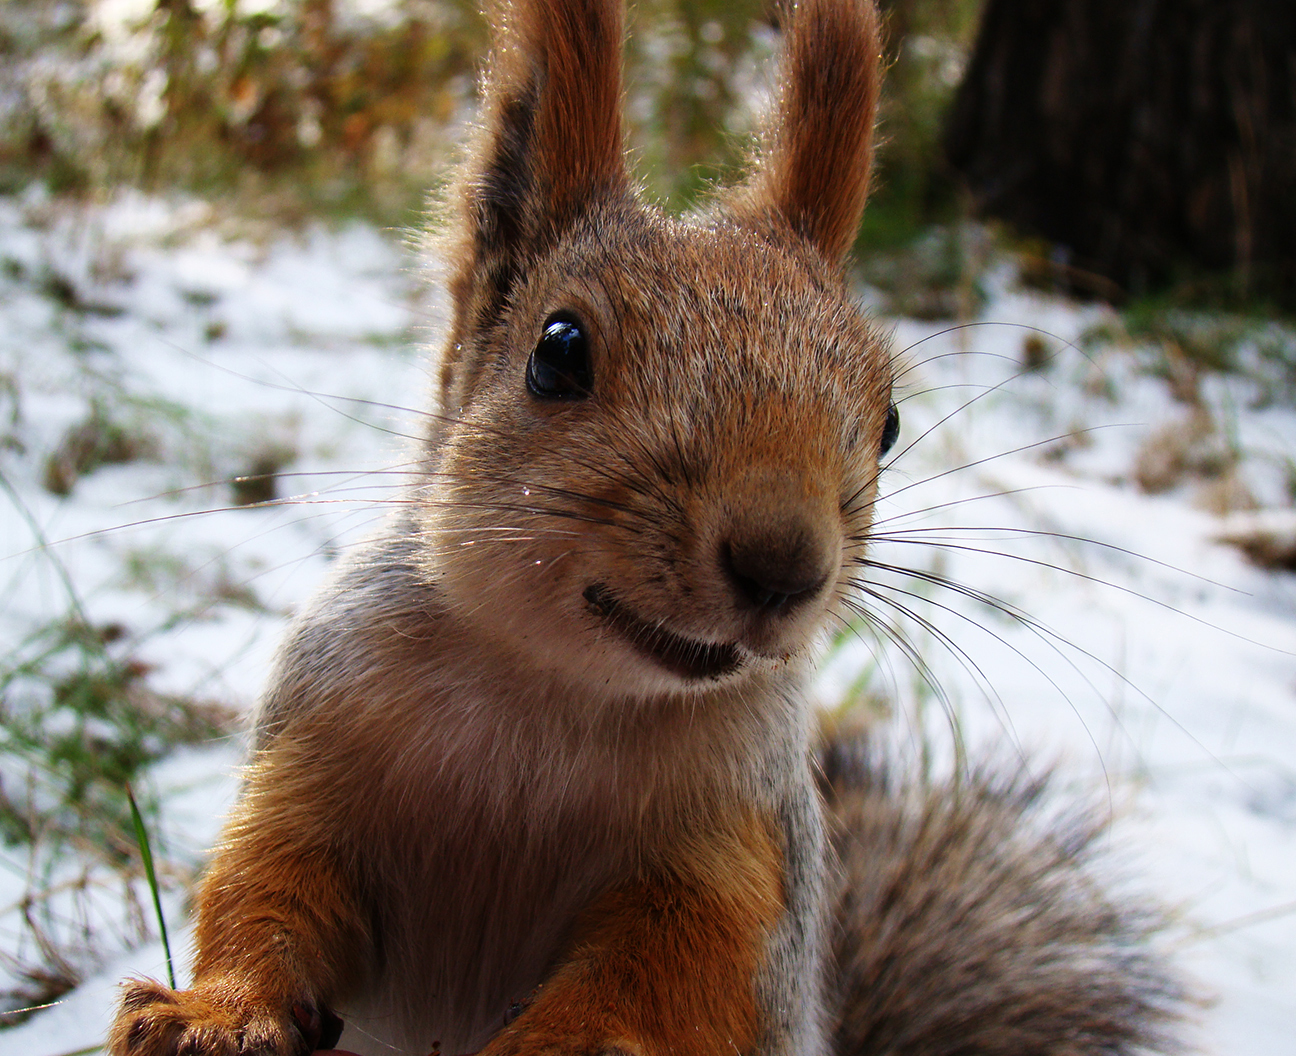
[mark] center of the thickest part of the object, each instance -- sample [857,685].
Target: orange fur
[578,125]
[276,883]
[664,965]
[816,158]
[279,930]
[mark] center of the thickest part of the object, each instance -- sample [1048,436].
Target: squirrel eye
[890,430]
[559,367]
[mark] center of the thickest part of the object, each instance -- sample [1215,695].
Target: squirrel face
[658,438]
[667,457]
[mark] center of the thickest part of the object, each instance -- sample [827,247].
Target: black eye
[890,430]
[559,367]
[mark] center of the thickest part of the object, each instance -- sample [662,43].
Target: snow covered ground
[1152,660]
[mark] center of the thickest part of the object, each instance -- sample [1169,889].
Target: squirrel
[536,772]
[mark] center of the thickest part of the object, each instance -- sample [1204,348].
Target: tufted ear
[552,136]
[812,169]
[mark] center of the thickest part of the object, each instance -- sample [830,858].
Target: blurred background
[206,309]
[1147,149]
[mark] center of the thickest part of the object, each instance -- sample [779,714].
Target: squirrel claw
[154,1020]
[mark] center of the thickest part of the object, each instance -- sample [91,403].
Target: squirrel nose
[775,570]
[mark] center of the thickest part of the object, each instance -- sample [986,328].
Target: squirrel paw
[154,1020]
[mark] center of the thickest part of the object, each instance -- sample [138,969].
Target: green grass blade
[146,853]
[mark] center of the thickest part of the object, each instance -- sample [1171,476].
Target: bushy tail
[970,921]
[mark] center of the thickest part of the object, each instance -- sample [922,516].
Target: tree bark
[1149,138]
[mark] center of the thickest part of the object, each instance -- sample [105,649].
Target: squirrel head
[658,439]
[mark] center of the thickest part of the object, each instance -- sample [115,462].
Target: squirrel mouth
[685,657]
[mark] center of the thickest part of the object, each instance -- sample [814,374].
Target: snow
[1130,644]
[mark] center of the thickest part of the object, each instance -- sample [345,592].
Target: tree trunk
[1151,139]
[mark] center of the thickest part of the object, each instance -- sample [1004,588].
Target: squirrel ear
[816,154]
[552,136]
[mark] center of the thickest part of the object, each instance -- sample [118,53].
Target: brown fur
[545,733]
[550,142]
[816,156]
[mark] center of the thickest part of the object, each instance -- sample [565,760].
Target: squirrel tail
[970,919]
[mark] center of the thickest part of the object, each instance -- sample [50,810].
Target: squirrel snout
[776,568]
